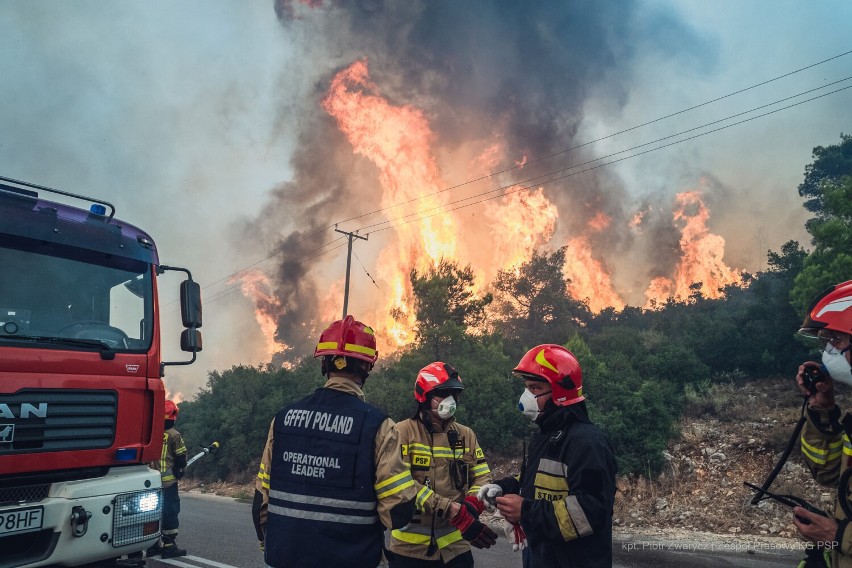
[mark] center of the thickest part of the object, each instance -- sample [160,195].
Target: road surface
[218,533]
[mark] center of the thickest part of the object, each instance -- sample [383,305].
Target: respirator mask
[528,404]
[446,408]
[835,363]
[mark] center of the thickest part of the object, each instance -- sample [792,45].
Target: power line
[365,269]
[228,291]
[392,223]
[490,175]
[442,209]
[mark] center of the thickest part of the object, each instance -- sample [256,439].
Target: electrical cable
[516,187]
[442,209]
[228,291]
[527,163]
[537,160]
[365,269]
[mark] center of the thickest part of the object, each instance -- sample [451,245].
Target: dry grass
[736,433]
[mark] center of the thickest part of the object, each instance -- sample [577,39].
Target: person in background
[563,497]
[448,468]
[825,436]
[171,465]
[331,476]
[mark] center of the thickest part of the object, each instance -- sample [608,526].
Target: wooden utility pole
[351,236]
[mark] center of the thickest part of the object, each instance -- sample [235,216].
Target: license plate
[21,520]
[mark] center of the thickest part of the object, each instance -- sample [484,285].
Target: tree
[634,394]
[828,187]
[533,305]
[446,307]
[789,262]
[830,164]
[235,408]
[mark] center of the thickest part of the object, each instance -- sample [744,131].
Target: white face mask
[446,408]
[837,365]
[528,404]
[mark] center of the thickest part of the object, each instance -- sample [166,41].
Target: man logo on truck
[7,434]
[27,410]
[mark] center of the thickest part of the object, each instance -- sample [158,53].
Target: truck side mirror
[190,313]
[190,340]
[190,305]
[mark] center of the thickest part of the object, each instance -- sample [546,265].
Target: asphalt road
[218,533]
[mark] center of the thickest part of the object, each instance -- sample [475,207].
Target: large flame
[701,256]
[397,139]
[400,142]
[590,281]
[520,223]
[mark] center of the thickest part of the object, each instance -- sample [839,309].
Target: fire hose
[205,450]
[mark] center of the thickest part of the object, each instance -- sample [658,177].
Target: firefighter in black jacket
[563,497]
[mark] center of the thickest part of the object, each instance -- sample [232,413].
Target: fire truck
[81,389]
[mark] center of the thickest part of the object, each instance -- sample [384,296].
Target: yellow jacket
[828,452]
[430,456]
[172,447]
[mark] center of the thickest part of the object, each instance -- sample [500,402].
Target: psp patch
[421,461]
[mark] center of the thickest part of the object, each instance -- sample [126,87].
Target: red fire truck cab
[81,389]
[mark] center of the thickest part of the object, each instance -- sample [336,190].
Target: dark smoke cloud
[534,65]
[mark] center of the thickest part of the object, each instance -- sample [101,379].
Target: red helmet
[171,410]
[349,338]
[436,376]
[557,366]
[832,309]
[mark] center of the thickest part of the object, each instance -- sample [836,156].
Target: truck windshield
[70,298]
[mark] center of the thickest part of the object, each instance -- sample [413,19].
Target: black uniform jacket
[568,486]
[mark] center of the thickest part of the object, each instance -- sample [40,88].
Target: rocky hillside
[732,434]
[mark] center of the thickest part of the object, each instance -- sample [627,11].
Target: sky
[210,125]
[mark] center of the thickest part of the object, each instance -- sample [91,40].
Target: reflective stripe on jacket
[431,457]
[828,452]
[568,486]
[325,516]
[172,447]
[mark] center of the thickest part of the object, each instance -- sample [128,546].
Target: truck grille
[25,494]
[35,420]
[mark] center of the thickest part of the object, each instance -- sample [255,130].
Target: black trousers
[171,509]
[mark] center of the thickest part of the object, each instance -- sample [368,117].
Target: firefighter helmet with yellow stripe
[349,338]
[556,365]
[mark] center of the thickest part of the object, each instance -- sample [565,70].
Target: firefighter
[331,475]
[171,465]
[564,495]
[826,437]
[449,468]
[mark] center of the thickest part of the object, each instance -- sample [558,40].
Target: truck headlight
[137,517]
[135,503]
